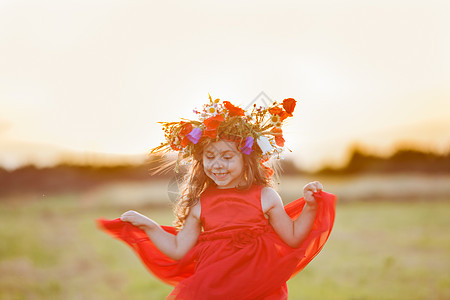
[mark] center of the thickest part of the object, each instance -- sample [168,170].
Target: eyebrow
[223,152]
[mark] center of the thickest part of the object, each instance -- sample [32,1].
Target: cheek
[206,165]
[236,165]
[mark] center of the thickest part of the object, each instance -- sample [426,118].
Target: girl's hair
[195,180]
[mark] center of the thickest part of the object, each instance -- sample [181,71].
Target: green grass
[382,251]
[51,249]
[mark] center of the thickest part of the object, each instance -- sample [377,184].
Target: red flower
[279,140]
[275,110]
[185,141]
[186,128]
[284,115]
[233,110]
[211,125]
[289,105]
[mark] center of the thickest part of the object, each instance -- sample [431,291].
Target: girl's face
[223,163]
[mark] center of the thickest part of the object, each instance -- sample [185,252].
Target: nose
[218,164]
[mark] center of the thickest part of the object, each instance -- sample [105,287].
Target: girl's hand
[309,190]
[138,220]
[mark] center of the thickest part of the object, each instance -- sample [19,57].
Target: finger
[309,187]
[316,186]
[126,216]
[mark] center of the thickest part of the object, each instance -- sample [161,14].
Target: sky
[91,79]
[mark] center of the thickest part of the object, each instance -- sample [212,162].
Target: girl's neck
[225,188]
[230,188]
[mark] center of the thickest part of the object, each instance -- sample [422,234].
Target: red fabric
[238,255]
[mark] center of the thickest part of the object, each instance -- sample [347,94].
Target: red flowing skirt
[250,264]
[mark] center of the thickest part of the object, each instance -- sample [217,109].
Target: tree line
[70,177]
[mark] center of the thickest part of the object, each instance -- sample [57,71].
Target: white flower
[211,110]
[275,121]
[264,143]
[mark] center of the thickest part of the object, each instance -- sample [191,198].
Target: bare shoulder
[269,199]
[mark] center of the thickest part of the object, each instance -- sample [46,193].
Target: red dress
[238,254]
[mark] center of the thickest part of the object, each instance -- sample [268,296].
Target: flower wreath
[224,120]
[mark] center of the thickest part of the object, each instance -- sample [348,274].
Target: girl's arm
[291,232]
[174,246]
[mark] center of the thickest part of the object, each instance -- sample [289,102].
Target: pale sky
[96,76]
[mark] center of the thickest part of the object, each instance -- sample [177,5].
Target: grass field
[51,249]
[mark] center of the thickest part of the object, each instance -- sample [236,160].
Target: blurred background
[84,83]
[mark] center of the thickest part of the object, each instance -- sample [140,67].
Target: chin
[222,184]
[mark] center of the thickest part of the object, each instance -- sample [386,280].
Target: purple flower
[247,149]
[194,135]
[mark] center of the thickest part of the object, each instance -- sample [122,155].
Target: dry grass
[392,188]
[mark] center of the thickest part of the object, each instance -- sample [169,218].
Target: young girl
[233,237]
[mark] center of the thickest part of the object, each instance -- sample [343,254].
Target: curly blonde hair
[195,180]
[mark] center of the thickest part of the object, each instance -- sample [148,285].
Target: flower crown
[224,120]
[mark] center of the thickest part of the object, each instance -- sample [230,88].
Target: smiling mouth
[220,175]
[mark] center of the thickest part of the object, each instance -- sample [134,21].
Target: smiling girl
[233,238]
